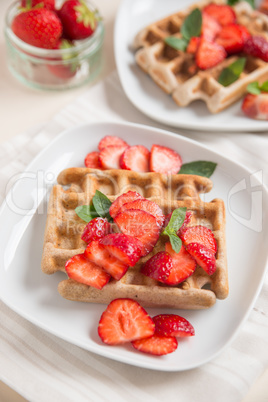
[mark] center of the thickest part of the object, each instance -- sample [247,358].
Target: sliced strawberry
[96,229]
[110,156]
[183,265]
[123,199]
[80,269]
[222,13]
[257,46]
[193,45]
[135,158]
[124,320]
[210,27]
[146,205]
[156,345]
[172,325]
[139,224]
[92,160]
[256,106]
[158,267]
[97,253]
[164,160]
[204,257]
[125,248]
[209,54]
[232,38]
[109,140]
[199,234]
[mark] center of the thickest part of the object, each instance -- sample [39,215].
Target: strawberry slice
[172,325]
[97,253]
[193,45]
[135,158]
[199,234]
[256,106]
[80,269]
[204,257]
[183,265]
[96,229]
[257,46]
[109,140]
[124,320]
[164,160]
[156,345]
[210,27]
[146,205]
[158,267]
[110,156]
[209,54]
[92,160]
[125,248]
[233,38]
[139,224]
[123,199]
[222,13]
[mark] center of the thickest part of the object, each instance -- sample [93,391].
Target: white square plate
[33,295]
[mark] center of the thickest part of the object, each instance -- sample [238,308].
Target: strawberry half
[110,156]
[158,267]
[96,229]
[148,206]
[209,54]
[80,269]
[125,248]
[123,199]
[164,160]
[124,320]
[257,46]
[204,257]
[109,140]
[210,27]
[256,106]
[183,265]
[233,38]
[172,325]
[199,234]
[222,13]
[156,345]
[97,253]
[135,158]
[92,160]
[139,224]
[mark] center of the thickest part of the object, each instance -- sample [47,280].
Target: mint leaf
[175,242]
[253,88]
[264,86]
[232,2]
[192,24]
[231,73]
[176,43]
[199,168]
[176,221]
[83,211]
[102,205]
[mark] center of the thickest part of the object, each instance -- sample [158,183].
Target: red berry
[135,158]
[256,106]
[183,265]
[48,4]
[209,54]
[210,27]
[61,69]
[123,199]
[222,13]
[264,7]
[199,234]
[172,325]
[146,205]
[257,46]
[193,45]
[92,160]
[125,248]
[164,160]
[158,267]
[156,345]
[110,156]
[124,320]
[109,140]
[80,269]
[204,257]
[96,229]
[233,38]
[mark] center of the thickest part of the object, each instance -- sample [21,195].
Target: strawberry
[209,54]
[139,224]
[256,106]
[232,38]
[110,156]
[164,160]
[172,325]
[204,257]
[135,158]
[193,45]
[222,13]
[210,27]
[158,267]
[124,320]
[199,234]
[263,8]
[96,229]
[257,46]
[156,345]
[80,269]
[146,205]
[48,4]
[125,248]
[97,253]
[183,265]
[109,140]
[66,67]
[38,27]
[123,199]
[79,22]
[92,160]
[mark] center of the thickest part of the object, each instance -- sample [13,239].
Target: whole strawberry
[78,21]
[39,27]
[48,4]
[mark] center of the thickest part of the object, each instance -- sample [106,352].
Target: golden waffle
[175,71]
[63,231]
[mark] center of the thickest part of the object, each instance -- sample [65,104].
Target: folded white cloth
[42,367]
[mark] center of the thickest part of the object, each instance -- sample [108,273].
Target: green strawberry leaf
[102,205]
[176,221]
[199,168]
[176,43]
[192,24]
[231,73]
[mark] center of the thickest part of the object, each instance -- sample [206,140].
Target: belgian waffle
[175,71]
[63,231]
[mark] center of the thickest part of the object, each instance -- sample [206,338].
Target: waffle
[63,231]
[175,71]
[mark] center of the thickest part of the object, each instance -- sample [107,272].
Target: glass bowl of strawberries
[54,44]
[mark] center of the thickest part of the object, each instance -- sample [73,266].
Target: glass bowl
[53,69]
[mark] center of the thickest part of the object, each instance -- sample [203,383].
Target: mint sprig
[176,221]
[199,168]
[255,88]
[99,207]
[231,73]
[233,2]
